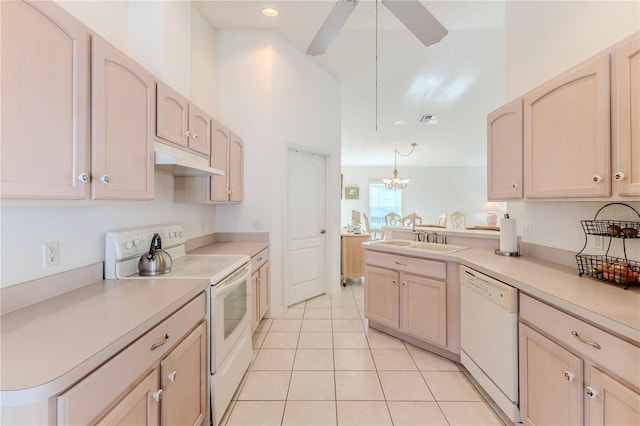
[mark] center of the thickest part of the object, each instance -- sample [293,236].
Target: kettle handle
[156,244]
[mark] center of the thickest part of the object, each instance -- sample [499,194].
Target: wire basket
[608,268]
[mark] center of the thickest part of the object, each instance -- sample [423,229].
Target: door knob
[323,232]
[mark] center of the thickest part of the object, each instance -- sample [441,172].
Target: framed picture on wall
[351,193]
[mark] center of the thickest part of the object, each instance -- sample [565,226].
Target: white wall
[543,39]
[431,191]
[275,97]
[80,229]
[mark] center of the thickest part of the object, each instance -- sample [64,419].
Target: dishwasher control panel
[496,291]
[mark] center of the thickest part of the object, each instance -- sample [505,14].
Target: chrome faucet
[435,237]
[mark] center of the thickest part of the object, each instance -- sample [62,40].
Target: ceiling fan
[410,12]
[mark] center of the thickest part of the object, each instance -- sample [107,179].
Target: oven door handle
[226,286]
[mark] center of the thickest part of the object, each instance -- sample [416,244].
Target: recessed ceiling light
[429,119]
[401,122]
[270,12]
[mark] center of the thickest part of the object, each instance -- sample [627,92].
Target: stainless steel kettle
[157,261]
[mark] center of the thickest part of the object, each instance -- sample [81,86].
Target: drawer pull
[401,264]
[586,341]
[157,395]
[160,342]
[569,376]
[591,392]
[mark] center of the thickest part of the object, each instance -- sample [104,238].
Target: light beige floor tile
[315,340]
[427,361]
[410,346]
[450,386]
[299,305]
[265,386]
[416,413]
[319,302]
[251,413]
[350,341]
[313,325]
[347,325]
[264,324]
[308,413]
[258,338]
[344,303]
[379,340]
[363,413]
[404,386]
[279,340]
[312,385]
[288,325]
[345,313]
[313,359]
[274,359]
[296,313]
[393,359]
[353,359]
[317,313]
[469,414]
[358,386]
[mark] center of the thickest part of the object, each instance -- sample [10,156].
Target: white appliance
[229,309]
[489,337]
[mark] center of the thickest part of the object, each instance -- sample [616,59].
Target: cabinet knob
[394,282]
[172,376]
[105,179]
[229,192]
[569,376]
[84,177]
[404,283]
[591,392]
[618,176]
[187,133]
[195,136]
[323,231]
[596,178]
[157,395]
[514,185]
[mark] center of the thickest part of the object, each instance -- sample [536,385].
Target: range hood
[181,163]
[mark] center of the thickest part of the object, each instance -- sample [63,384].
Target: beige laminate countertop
[250,248]
[606,305]
[50,345]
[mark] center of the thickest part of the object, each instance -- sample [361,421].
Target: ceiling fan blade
[417,19]
[331,26]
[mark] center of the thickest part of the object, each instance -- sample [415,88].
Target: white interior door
[306,226]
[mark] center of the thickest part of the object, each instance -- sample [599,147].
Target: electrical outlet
[51,254]
[527,230]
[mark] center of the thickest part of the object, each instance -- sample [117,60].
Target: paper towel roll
[508,236]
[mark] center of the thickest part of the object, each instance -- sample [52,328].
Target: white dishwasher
[489,337]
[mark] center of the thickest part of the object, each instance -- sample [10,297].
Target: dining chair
[458,220]
[409,219]
[393,219]
[442,220]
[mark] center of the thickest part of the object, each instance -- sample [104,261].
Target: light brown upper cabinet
[181,122]
[227,154]
[45,103]
[567,136]
[504,152]
[626,125]
[122,110]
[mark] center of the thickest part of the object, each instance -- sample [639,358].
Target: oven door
[230,314]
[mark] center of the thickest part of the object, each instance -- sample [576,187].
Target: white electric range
[228,308]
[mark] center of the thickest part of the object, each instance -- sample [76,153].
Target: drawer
[88,399]
[259,259]
[616,355]
[430,268]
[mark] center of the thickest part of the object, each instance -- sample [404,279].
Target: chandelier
[395,183]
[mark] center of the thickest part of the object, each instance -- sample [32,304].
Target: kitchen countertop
[52,344]
[605,305]
[250,248]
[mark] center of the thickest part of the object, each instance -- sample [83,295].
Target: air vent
[429,119]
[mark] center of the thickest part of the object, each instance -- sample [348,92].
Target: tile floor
[317,365]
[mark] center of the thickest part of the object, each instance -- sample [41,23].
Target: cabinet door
[504,152]
[45,102]
[611,403]
[123,111]
[424,308]
[172,115]
[138,407]
[184,381]
[219,160]
[627,128]
[199,131]
[381,296]
[255,300]
[567,134]
[264,290]
[236,168]
[551,380]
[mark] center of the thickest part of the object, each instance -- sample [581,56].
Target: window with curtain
[382,201]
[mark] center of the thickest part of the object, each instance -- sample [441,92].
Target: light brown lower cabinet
[260,286]
[160,379]
[572,373]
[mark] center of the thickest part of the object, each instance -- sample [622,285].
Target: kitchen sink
[428,247]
